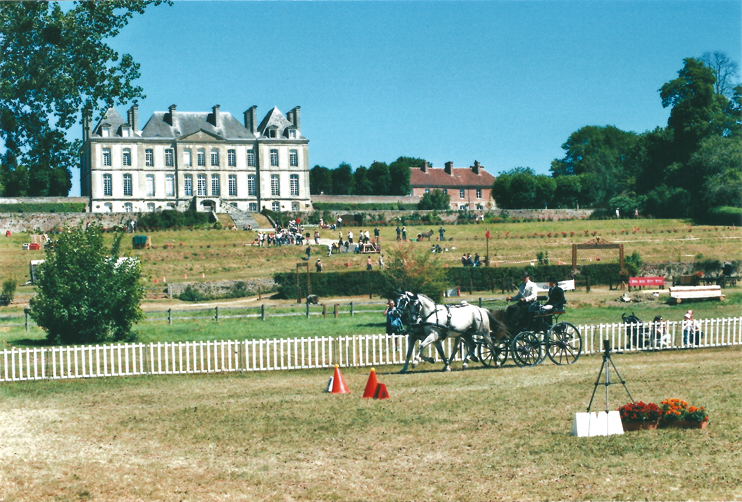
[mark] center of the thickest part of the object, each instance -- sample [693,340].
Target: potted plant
[677,413]
[639,416]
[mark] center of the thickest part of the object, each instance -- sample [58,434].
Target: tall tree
[342,180]
[400,173]
[381,179]
[361,183]
[725,70]
[320,180]
[54,65]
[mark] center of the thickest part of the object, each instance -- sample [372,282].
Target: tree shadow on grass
[28,342]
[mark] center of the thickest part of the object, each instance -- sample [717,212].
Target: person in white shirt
[692,333]
[527,294]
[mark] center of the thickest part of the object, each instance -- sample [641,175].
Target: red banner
[646,281]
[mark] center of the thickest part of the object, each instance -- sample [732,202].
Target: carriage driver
[527,294]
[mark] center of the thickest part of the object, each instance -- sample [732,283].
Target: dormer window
[271,133]
[105,131]
[292,133]
[124,132]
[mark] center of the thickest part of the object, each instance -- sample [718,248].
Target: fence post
[170,316]
[26,311]
[352,311]
[216,313]
[336,310]
[587,283]
[307,310]
[480,302]
[324,310]
[262,312]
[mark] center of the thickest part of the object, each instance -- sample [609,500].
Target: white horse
[411,310]
[438,322]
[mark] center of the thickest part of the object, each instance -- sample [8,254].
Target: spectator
[350,236]
[339,223]
[476,260]
[692,333]
[381,261]
[369,264]
[309,252]
[399,233]
[463,260]
[441,232]
[376,234]
[318,265]
[316,237]
[393,322]
[404,233]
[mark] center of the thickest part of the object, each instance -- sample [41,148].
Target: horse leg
[455,351]
[442,354]
[410,350]
[431,338]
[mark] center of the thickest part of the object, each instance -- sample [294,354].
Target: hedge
[725,215]
[356,283]
[43,207]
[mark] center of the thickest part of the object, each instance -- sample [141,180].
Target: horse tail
[496,326]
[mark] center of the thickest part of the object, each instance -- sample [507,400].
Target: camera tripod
[607,359]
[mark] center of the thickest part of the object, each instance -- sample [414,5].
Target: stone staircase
[242,219]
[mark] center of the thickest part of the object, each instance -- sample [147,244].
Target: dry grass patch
[474,435]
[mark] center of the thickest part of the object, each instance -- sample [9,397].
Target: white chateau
[195,160]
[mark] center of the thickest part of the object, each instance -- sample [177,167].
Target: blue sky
[504,83]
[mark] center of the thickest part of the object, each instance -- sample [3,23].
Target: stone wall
[29,222]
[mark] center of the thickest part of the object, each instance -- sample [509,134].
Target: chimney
[424,168]
[449,168]
[217,118]
[85,125]
[296,117]
[171,119]
[250,124]
[475,168]
[134,117]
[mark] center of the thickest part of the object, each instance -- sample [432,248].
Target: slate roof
[438,178]
[277,119]
[113,119]
[187,123]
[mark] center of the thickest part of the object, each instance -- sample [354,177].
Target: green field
[496,434]
[224,254]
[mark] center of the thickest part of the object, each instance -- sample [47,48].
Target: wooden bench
[680,293]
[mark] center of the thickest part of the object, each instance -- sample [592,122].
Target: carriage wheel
[565,343]
[527,349]
[494,356]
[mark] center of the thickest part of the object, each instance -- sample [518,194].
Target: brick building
[469,187]
[198,160]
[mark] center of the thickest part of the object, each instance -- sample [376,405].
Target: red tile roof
[463,177]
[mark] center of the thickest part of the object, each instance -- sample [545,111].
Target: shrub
[85,293]
[171,218]
[9,286]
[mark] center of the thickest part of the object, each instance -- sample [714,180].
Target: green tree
[85,293]
[437,199]
[522,188]
[724,69]
[342,180]
[415,269]
[381,179]
[717,162]
[567,191]
[400,173]
[320,180]
[54,65]
[361,183]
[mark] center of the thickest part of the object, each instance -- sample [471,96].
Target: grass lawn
[223,254]
[467,435]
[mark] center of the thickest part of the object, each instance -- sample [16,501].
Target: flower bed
[671,413]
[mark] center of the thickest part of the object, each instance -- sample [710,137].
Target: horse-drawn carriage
[487,338]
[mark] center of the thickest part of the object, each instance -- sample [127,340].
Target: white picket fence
[88,361]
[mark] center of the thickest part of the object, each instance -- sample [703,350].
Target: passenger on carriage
[527,294]
[556,295]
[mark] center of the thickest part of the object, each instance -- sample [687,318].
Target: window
[126,157]
[150,185]
[169,185]
[427,190]
[105,132]
[187,158]
[292,133]
[107,185]
[127,184]
[214,184]
[293,158]
[201,158]
[275,207]
[169,157]
[124,132]
[274,157]
[214,157]
[251,158]
[251,184]
[106,156]
[270,133]
[294,184]
[462,194]
[252,207]
[233,185]
[201,185]
[479,193]
[294,206]
[128,207]
[149,157]
[188,185]
[231,158]
[108,206]
[275,185]
[151,207]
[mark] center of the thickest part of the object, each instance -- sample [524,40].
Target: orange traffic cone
[185,276]
[338,383]
[381,392]
[371,384]
[155,280]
